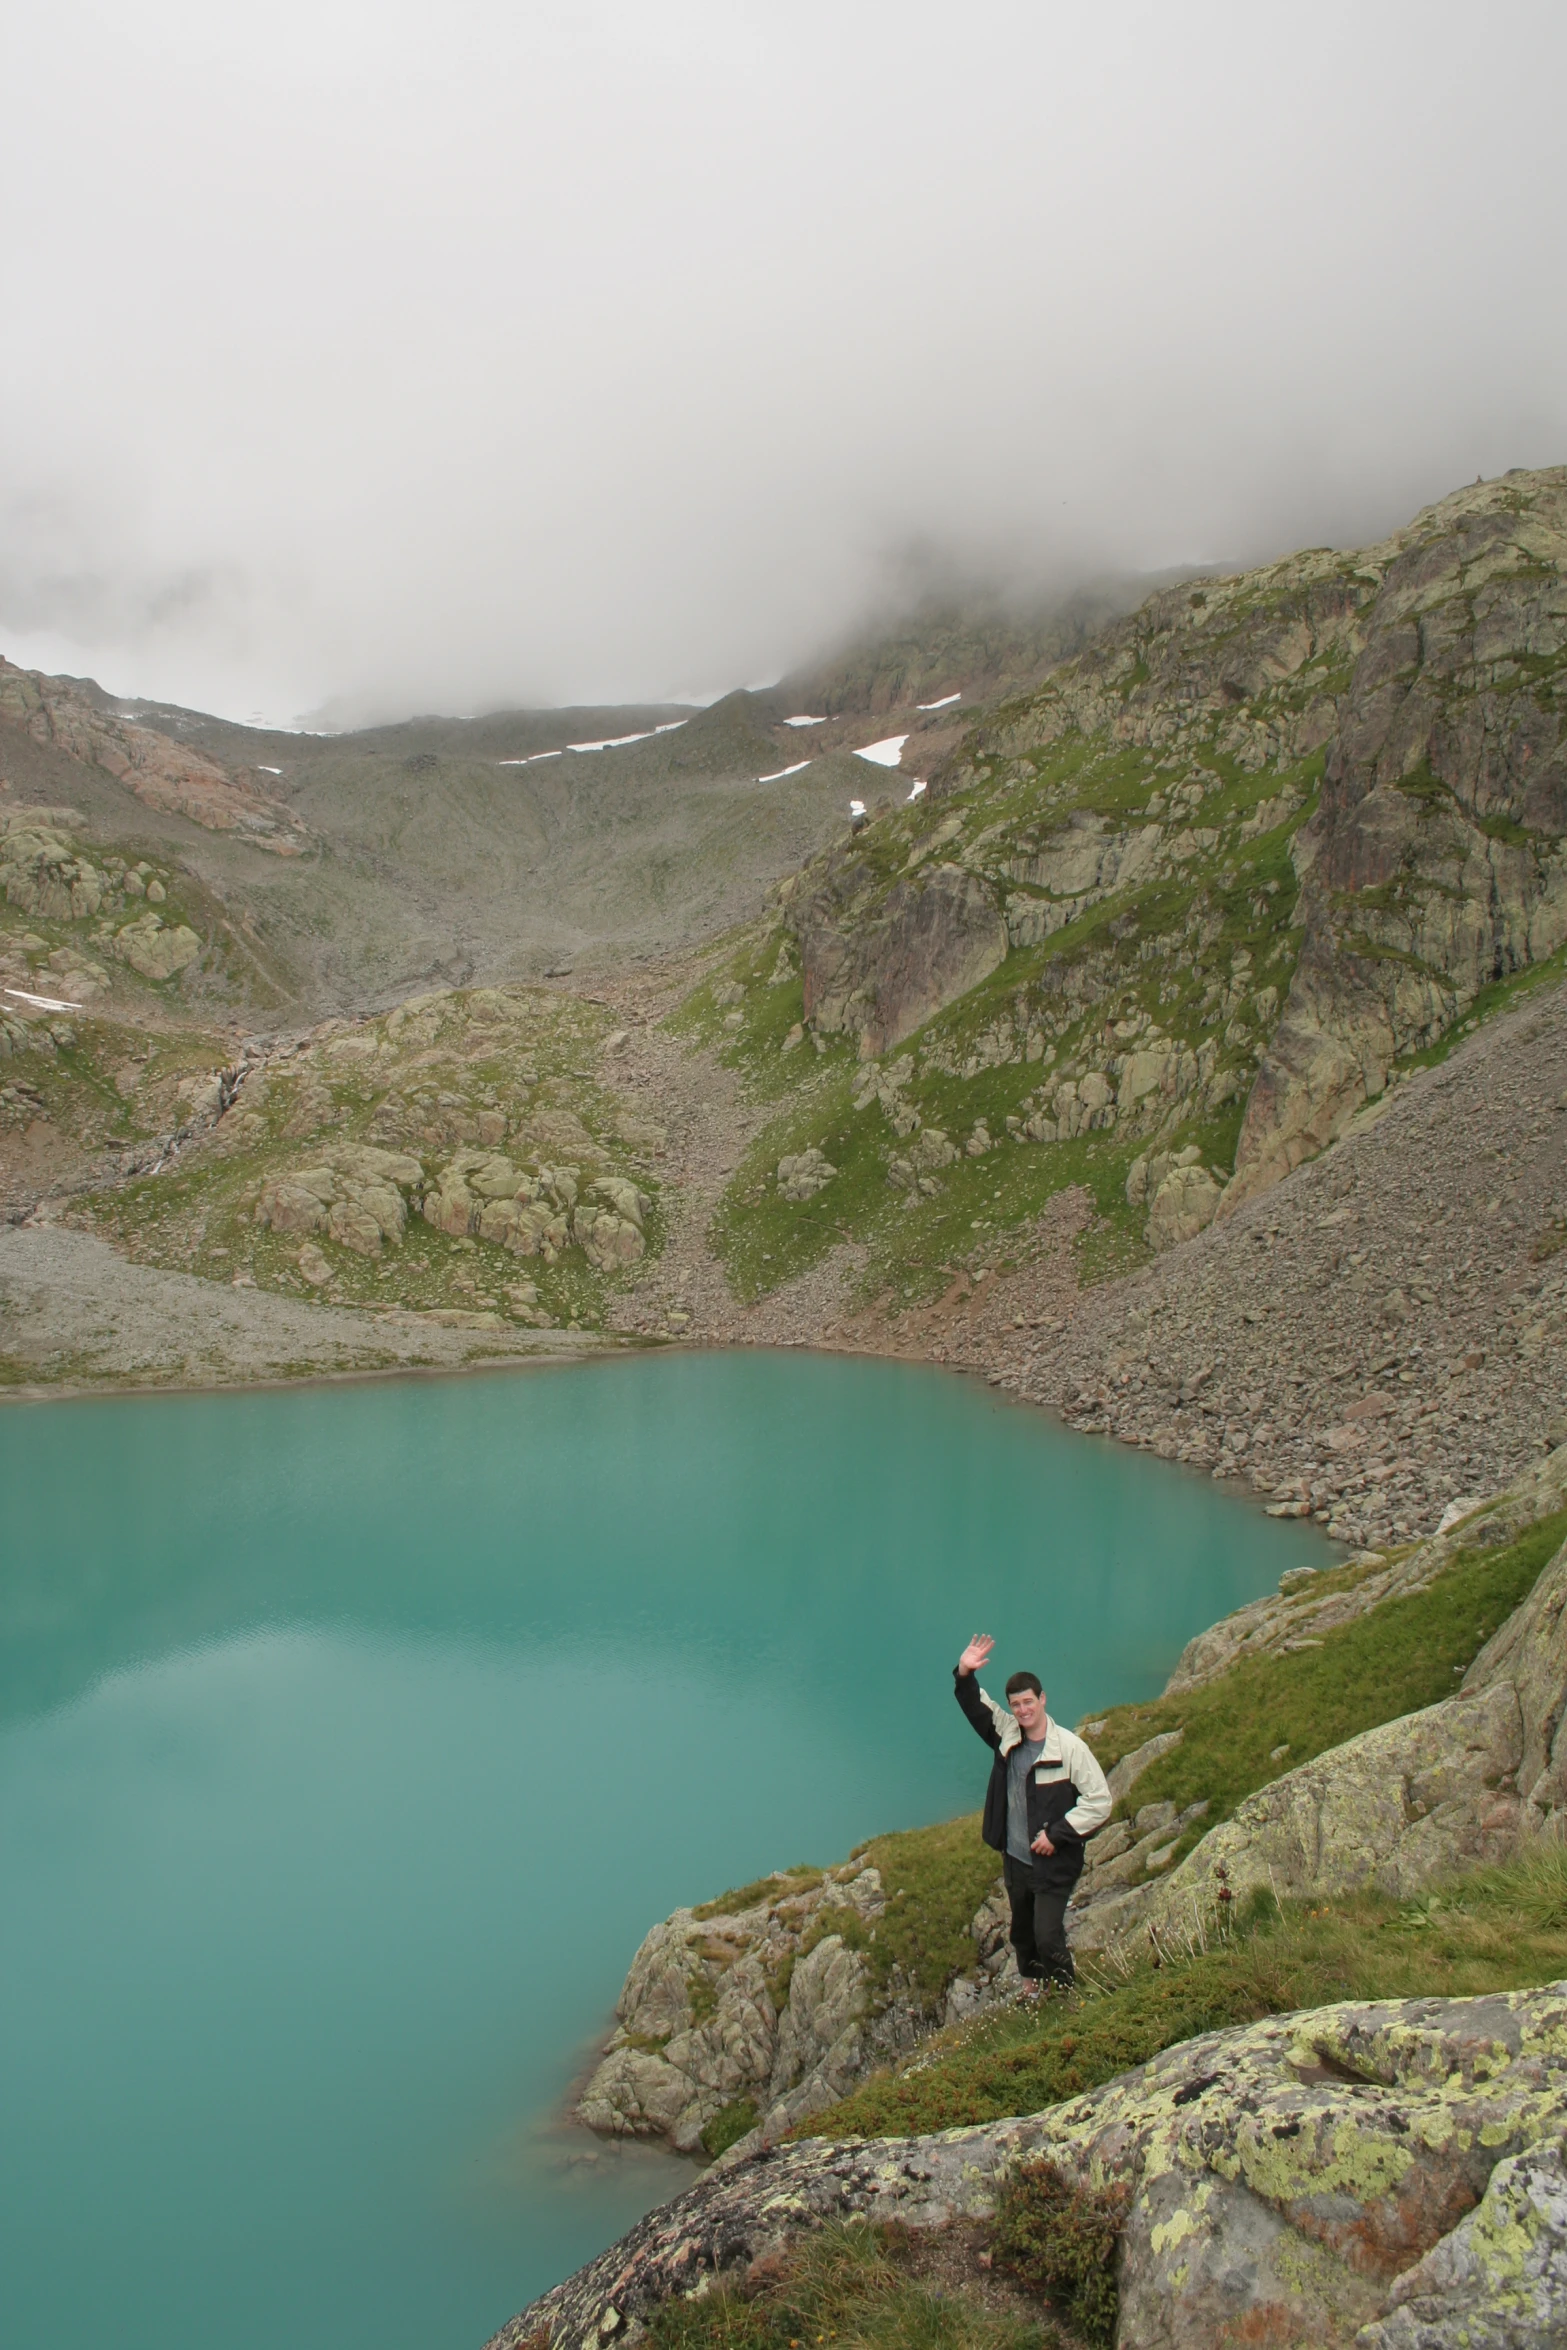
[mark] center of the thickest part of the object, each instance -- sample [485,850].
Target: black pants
[1039,1926]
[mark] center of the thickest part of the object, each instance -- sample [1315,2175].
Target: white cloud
[420,358]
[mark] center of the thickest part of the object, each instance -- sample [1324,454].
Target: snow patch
[886,753]
[920,789]
[615,742]
[44,1003]
[269,770]
[804,721]
[945,702]
[531,760]
[798,768]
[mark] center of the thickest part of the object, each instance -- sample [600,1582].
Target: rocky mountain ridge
[1263,843]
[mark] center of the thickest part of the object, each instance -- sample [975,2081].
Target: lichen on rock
[1290,2182]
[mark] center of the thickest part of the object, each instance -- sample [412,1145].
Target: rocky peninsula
[1379,2172]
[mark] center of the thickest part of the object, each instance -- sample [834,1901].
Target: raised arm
[967,1691]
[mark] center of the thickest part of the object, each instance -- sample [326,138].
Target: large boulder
[768,2003]
[607,1240]
[803,1174]
[1185,1204]
[1453,1786]
[622,1197]
[154,949]
[1289,2184]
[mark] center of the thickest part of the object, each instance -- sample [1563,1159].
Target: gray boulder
[1291,2182]
[1456,1785]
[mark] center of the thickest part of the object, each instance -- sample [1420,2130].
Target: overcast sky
[401,357]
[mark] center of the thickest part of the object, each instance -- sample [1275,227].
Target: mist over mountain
[369,364]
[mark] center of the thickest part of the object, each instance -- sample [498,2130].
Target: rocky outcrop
[1435,862]
[937,934]
[769,2006]
[357,1198]
[45,873]
[1291,2182]
[1454,1786]
[161,772]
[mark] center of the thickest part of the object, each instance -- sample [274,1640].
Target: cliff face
[1433,865]
[1351,766]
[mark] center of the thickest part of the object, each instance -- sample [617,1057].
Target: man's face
[1028,1711]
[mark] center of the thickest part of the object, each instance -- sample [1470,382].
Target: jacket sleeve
[1094,1801]
[976,1705]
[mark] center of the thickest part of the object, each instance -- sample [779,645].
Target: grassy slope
[423,1087]
[1269,1714]
[1504,1928]
[853,2285]
[1165,951]
[1498,1929]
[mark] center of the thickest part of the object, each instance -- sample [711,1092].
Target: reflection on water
[350,1739]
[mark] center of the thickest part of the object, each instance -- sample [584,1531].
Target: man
[1046,1797]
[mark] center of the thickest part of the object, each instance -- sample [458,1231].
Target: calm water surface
[351,1738]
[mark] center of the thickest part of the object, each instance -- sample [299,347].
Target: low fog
[370,359]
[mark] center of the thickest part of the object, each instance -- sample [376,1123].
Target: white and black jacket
[1067,1793]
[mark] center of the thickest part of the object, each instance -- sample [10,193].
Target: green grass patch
[1404,1654]
[778,1887]
[728,2126]
[1495,1930]
[1062,2241]
[852,2285]
[934,1880]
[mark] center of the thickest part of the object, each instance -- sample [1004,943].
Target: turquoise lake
[351,1738]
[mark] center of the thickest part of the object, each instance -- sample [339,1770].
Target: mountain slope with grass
[1162,927]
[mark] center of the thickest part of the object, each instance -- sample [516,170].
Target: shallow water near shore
[350,1739]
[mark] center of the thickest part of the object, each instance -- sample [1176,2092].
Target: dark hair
[1017,1681]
